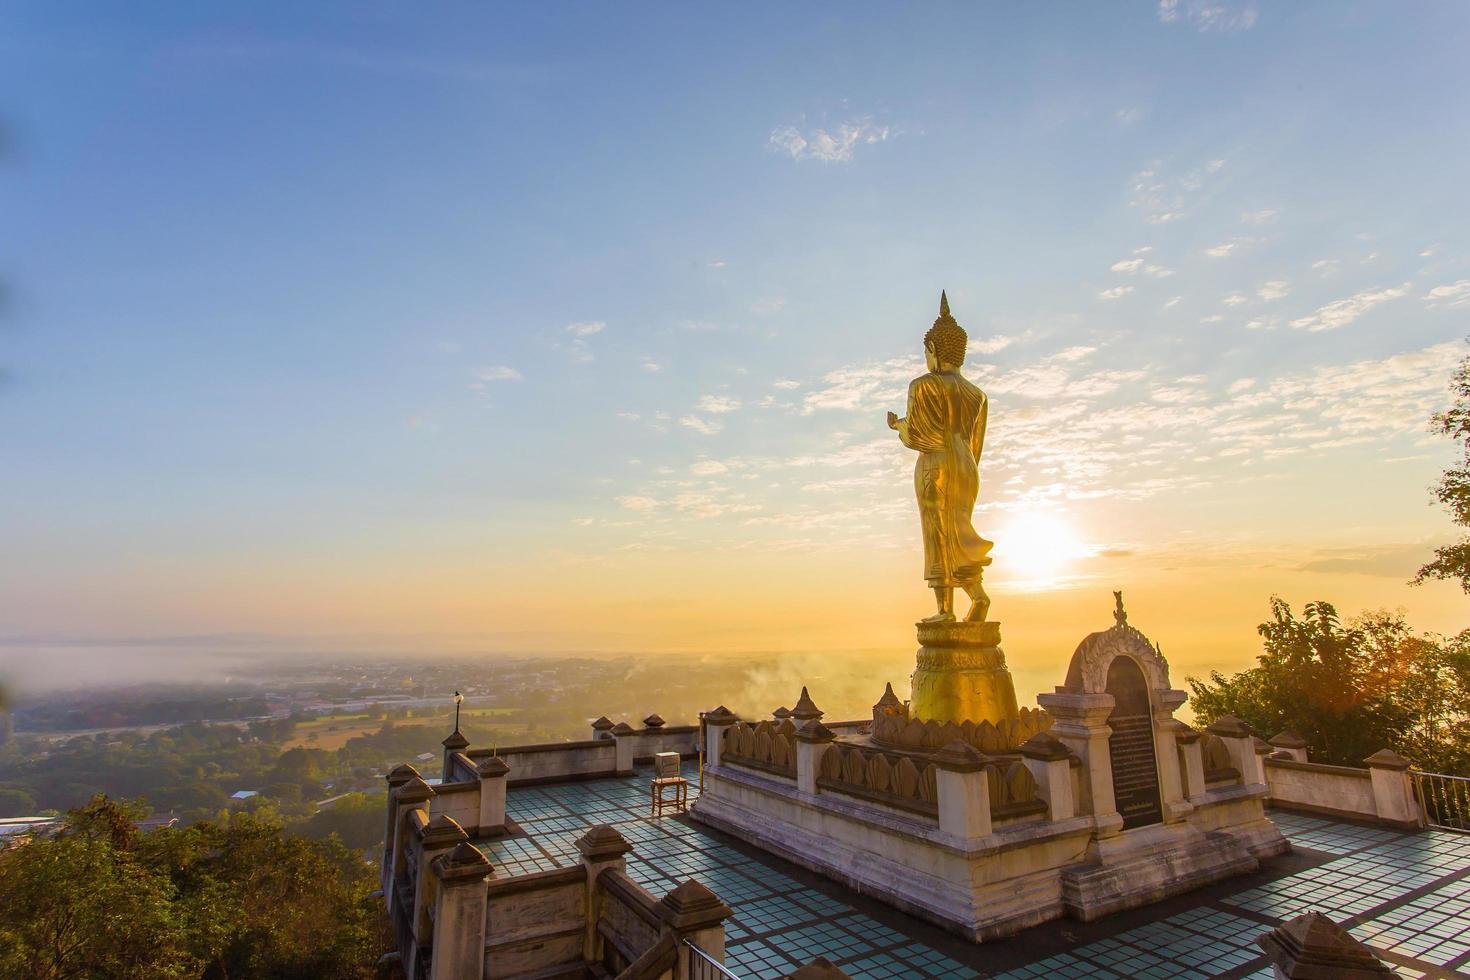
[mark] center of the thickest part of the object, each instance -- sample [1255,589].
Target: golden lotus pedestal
[961,675]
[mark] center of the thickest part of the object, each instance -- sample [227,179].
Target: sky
[572,327]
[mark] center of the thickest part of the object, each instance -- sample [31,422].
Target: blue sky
[362,321]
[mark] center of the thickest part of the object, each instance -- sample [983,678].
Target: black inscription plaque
[1131,746]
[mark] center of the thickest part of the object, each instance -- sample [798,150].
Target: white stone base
[1148,864]
[984,888]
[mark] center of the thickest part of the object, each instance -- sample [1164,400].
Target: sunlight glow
[1038,547]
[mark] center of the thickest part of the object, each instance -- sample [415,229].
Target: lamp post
[458,700]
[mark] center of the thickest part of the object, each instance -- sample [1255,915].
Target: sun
[1037,547]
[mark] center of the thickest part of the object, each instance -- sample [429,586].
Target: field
[332,732]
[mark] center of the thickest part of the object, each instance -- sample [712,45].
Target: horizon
[344,326]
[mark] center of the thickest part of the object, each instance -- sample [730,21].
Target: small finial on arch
[943,304]
[1120,617]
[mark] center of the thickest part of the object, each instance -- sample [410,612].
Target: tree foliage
[1351,689]
[1453,490]
[226,899]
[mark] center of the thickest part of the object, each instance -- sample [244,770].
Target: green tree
[80,904]
[262,903]
[1351,689]
[356,819]
[1452,561]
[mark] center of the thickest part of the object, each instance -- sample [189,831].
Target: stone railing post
[653,731]
[812,741]
[412,795]
[693,912]
[964,790]
[1393,789]
[493,772]
[1171,781]
[624,737]
[459,914]
[1050,764]
[1082,726]
[396,778]
[441,835]
[716,723]
[1292,744]
[455,742]
[602,727]
[602,847]
[1191,760]
[1240,743]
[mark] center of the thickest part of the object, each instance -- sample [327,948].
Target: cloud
[1173,301]
[1327,267]
[719,404]
[1209,16]
[579,332]
[700,425]
[1229,248]
[1235,299]
[1273,290]
[1129,266]
[1241,384]
[1128,116]
[1392,561]
[1164,198]
[990,345]
[716,264]
[828,146]
[708,467]
[785,384]
[1117,292]
[1342,312]
[763,307]
[1449,295]
[651,366]
[1262,217]
[641,505]
[500,372]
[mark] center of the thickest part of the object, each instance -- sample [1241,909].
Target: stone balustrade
[457,920]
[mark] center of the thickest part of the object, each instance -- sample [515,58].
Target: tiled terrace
[1406,894]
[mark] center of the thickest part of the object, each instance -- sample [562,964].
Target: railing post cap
[1387,759]
[959,756]
[1288,739]
[603,843]
[1044,746]
[1312,945]
[692,906]
[1229,726]
[721,716]
[820,968]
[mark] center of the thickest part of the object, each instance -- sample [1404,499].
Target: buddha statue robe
[946,425]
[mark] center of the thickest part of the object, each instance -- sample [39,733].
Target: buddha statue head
[944,344]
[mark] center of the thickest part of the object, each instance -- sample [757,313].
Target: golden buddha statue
[946,425]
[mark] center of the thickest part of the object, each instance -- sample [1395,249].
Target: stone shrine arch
[1115,711]
[1094,657]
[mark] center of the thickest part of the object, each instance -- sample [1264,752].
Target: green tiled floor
[1406,894]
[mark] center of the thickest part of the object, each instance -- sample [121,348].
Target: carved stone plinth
[961,675]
